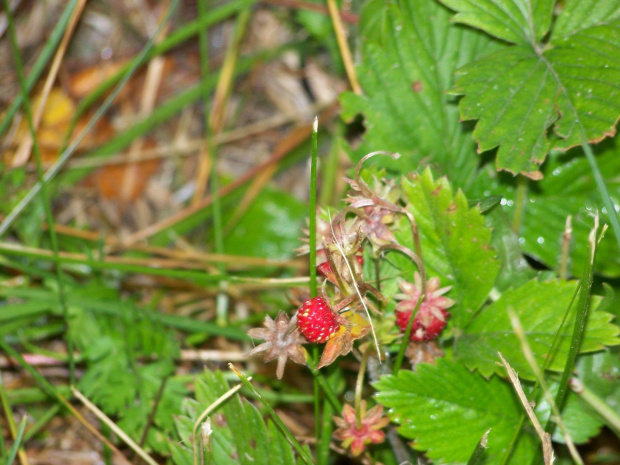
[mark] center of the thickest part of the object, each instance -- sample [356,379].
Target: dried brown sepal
[352,327]
[422,352]
[282,341]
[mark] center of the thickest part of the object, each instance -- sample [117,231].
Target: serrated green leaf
[516,21]
[408,64]
[455,242]
[600,373]
[519,94]
[540,307]
[514,270]
[579,423]
[240,435]
[568,188]
[582,14]
[447,409]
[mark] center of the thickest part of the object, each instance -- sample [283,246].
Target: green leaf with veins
[567,188]
[515,21]
[600,373]
[540,307]
[580,423]
[531,96]
[446,409]
[239,434]
[410,53]
[454,240]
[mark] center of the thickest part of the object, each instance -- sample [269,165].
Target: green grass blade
[602,187]
[18,440]
[583,306]
[40,64]
[312,207]
[44,193]
[68,152]
[175,38]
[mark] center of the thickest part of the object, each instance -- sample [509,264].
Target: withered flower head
[369,431]
[282,341]
[376,207]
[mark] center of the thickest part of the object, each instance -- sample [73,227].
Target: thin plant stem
[345,51]
[151,417]
[359,386]
[602,187]
[312,207]
[611,416]
[41,62]
[312,264]
[206,412]
[329,393]
[583,307]
[44,193]
[8,413]
[520,200]
[55,394]
[403,344]
[565,248]
[119,432]
[16,449]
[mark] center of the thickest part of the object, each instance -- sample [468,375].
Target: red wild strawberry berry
[316,320]
[427,325]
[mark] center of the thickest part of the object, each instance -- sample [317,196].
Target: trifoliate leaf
[567,87]
[409,54]
[454,241]
[540,306]
[446,409]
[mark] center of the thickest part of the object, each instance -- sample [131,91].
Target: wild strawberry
[427,324]
[316,320]
[430,320]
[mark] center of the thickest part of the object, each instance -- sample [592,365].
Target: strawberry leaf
[409,54]
[531,96]
[516,21]
[447,409]
[455,242]
[540,307]
[239,434]
[568,188]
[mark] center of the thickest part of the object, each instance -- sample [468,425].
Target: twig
[343,45]
[283,149]
[119,432]
[545,438]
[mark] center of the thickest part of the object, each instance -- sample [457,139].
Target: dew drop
[540,240]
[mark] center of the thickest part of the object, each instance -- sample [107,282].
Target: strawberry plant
[451,300]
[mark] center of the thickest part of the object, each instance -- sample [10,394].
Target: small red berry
[427,325]
[316,320]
